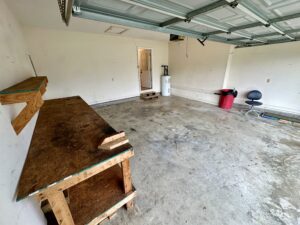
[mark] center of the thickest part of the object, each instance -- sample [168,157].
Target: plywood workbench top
[64,143]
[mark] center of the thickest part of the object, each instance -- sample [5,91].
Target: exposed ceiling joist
[245,7]
[109,16]
[169,9]
[250,10]
[196,12]
[172,9]
[149,12]
[170,22]
[267,35]
[246,45]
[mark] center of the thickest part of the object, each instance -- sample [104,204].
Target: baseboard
[271,108]
[196,94]
[114,101]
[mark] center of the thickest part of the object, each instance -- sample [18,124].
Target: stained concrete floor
[197,164]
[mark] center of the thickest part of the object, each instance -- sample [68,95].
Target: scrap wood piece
[27,113]
[113,141]
[114,144]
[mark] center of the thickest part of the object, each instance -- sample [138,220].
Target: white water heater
[166,85]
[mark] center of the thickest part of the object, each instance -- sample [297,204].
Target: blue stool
[253,96]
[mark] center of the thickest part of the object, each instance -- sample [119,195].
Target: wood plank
[45,206]
[31,84]
[129,198]
[16,98]
[113,137]
[114,144]
[84,175]
[95,199]
[60,208]
[27,113]
[29,91]
[127,180]
[65,143]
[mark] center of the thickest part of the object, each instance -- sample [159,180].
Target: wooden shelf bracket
[29,91]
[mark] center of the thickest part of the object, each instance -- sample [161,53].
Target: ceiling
[45,14]
[244,23]
[248,23]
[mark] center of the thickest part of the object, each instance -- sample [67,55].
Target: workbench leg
[60,208]
[127,180]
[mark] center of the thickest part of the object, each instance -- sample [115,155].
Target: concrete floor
[197,164]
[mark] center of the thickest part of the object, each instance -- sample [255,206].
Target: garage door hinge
[76,9]
[234,4]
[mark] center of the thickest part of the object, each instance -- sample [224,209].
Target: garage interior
[183,112]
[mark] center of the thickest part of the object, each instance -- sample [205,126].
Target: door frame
[138,69]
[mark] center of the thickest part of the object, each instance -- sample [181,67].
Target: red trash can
[227,98]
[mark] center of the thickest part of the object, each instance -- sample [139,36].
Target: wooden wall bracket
[29,91]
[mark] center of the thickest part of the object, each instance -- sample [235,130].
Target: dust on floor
[197,164]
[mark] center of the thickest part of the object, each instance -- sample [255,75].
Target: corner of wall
[14,67]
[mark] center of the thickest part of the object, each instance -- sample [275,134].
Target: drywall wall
[14,67]
[197,71]
[97,67]
[274,70]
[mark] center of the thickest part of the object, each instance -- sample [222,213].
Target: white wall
[14,67]
[197,71]
[97,67]
[274,70]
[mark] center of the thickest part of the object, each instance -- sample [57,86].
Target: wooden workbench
[63,155]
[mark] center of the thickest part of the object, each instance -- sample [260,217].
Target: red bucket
[227,98]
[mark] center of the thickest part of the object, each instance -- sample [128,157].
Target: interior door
[145,68]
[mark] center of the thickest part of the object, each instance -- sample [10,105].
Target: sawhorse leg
[127,180]
[60,208]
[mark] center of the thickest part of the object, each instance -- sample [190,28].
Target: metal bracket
[188,20]
[202,41]
[76,10]
[65,8]
[234,4]
[62,9]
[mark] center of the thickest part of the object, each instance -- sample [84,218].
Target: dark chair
[253,96]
